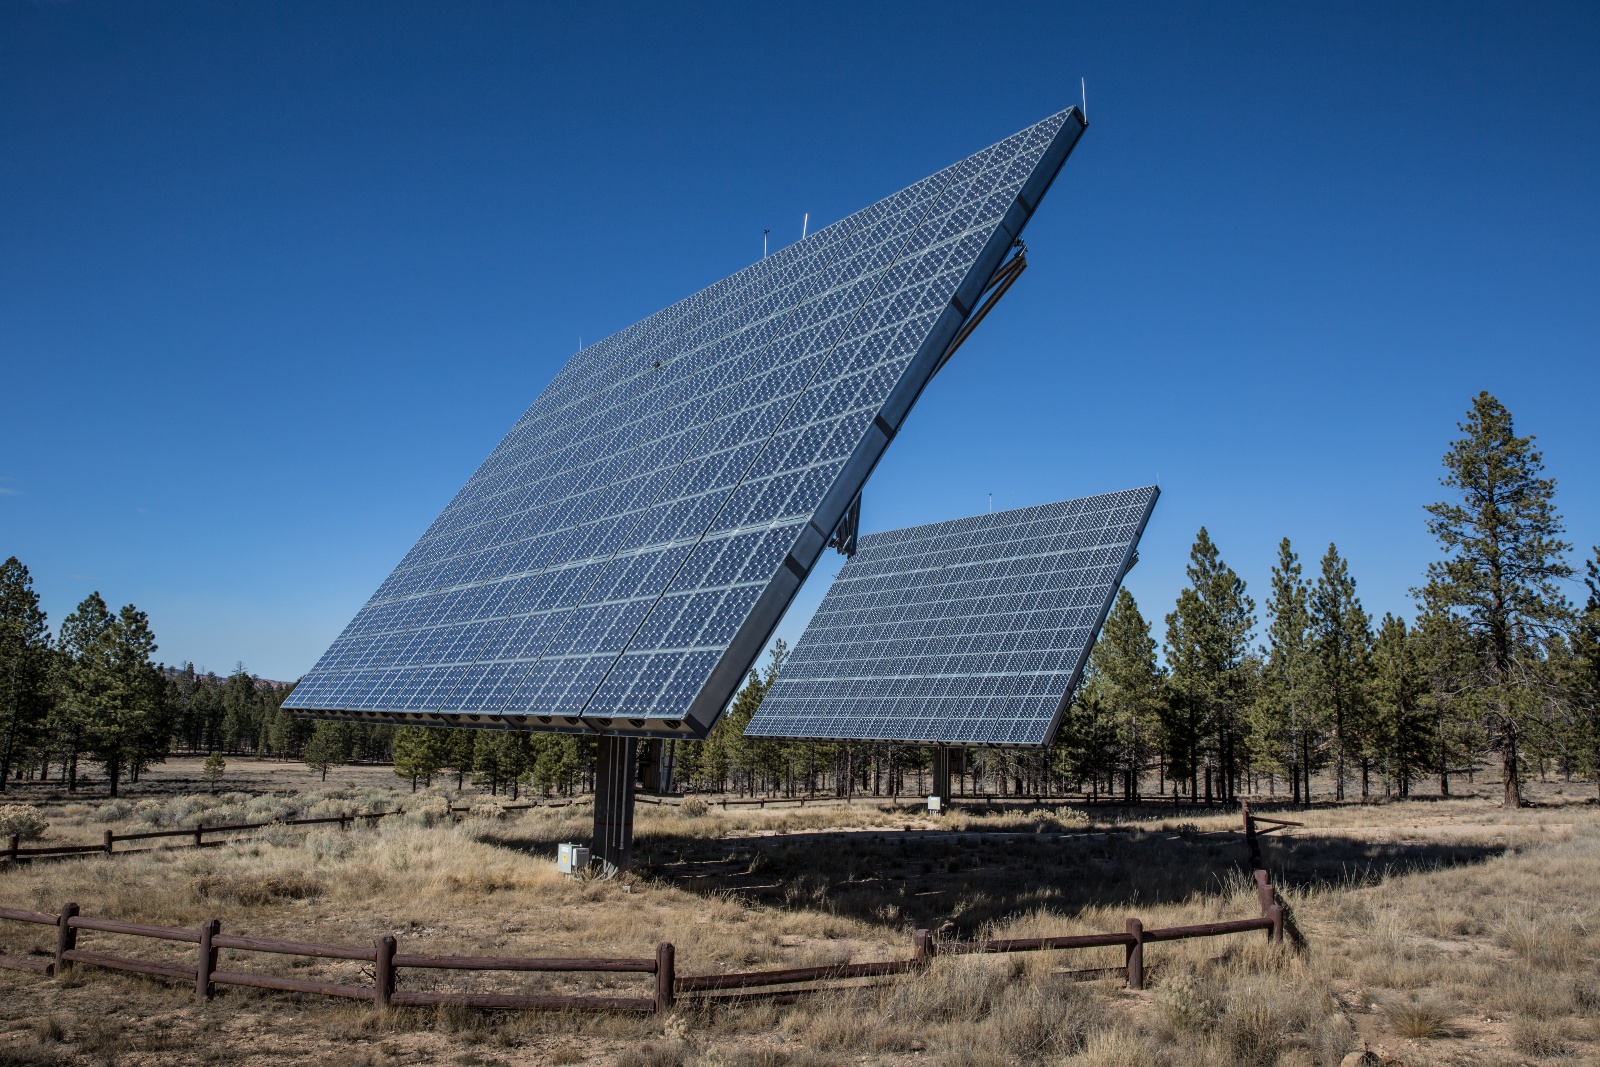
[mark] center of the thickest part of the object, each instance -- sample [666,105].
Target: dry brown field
[1437,931]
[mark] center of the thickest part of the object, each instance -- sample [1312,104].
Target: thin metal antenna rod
[804,223]
[764,243]
[1083,86]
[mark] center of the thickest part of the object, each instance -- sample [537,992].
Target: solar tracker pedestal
[941,776]
[616,764]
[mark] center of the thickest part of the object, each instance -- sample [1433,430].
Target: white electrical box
[570,858]
[935,804]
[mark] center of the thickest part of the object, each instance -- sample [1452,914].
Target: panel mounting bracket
[844,537]
[1003,279]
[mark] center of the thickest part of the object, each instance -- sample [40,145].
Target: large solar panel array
[623,555]
[972,632]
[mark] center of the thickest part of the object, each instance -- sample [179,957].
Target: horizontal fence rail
[387,962]
[15,852]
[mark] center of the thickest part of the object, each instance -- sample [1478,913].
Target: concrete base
[616,764]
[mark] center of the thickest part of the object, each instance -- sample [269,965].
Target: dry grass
[1440,931]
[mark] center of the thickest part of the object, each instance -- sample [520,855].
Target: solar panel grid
[622,533]
[967,632]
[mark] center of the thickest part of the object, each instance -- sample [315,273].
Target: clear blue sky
[275,277]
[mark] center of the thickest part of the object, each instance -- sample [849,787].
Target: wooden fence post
[383,972]
[1134,957]
[207,961]
[666,978]
[1264,894]
[13,846]
[1252,846]
[922,948]
[110,838]
[66,937]
[198,830]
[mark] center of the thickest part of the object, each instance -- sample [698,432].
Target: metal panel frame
[753,634]
[1129,557]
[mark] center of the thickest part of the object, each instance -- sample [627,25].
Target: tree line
[1496,662]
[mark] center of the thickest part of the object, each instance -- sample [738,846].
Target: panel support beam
[941,776]
[999,284]
[656,765]
[616,764]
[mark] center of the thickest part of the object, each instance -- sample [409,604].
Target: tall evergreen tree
[241,712]
[1341,636]
[758,758]
[418,755]
[1398,687]
[26,658]
[88,680]
[132,729]
[1290,730]
[1132,690]
[1583,680]
[1445,657]
[1501,537]
[1208,635]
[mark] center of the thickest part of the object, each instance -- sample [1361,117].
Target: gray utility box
[570,859]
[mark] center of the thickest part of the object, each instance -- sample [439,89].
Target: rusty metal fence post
[1275,933]
[207,961]
[1134,957]
[66,937]
[666,978]
[383,972]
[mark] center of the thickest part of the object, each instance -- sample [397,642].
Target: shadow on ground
[959,881]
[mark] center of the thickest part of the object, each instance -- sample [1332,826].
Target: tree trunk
[1513,792]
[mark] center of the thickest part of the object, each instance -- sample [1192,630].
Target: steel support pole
[941,776]
[615,766]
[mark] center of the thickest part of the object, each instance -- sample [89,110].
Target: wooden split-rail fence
[198,834]
[206,971]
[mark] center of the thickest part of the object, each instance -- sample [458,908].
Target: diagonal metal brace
[1003,279]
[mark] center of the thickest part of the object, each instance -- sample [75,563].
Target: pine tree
[1504,555]
[1132,688]
[1398,687]
[328,747]
[26,658]
[416,754]
[1341,636]
[758,758]
[1583,678]
[1207,646]
[130,727]
[88,680]
[1445,657]
[1290,730]
[213,770]
[241,712]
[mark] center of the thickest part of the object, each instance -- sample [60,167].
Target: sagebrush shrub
[24,820]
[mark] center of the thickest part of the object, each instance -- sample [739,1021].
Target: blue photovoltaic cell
[971,632]
[625,552]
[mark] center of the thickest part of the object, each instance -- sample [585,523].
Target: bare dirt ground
[1439,931]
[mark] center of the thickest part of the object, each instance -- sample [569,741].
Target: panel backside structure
[620,559]
[971,632]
